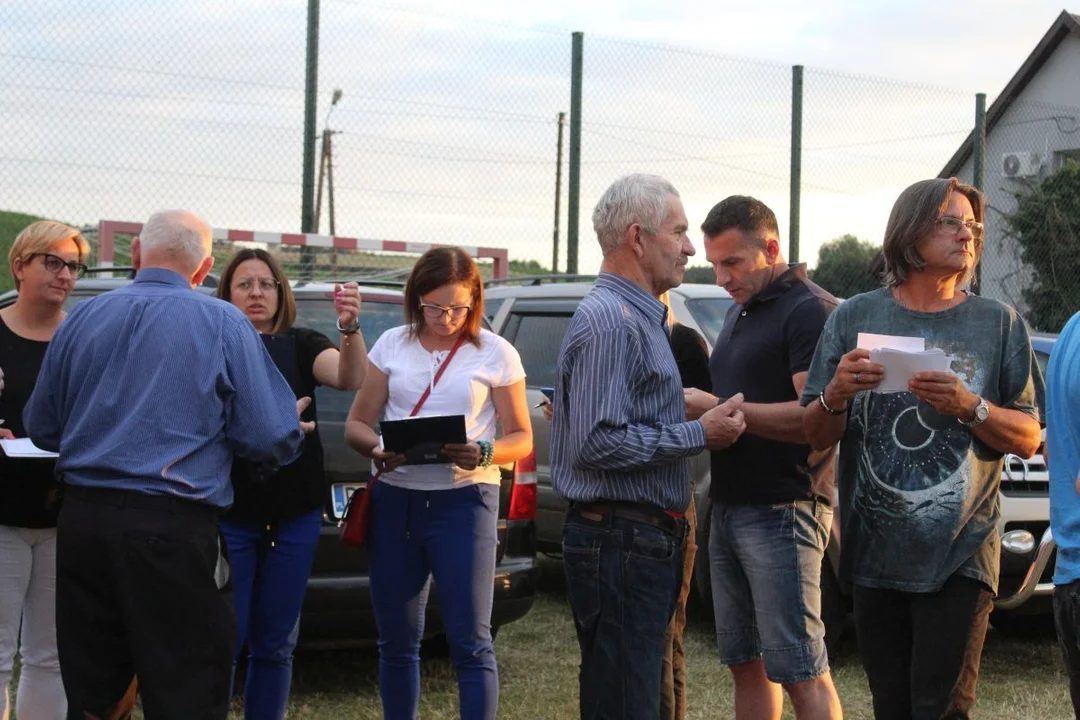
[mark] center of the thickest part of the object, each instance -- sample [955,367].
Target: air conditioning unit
[1020,165]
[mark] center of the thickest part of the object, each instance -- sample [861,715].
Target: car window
[491,308]
[376,317]
[538,338]
[709,314]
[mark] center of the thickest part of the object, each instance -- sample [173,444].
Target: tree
[703,275]
[1046,225]
[846,266]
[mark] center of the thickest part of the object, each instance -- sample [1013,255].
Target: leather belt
[665,520]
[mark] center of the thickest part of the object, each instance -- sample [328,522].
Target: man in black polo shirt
[772,495]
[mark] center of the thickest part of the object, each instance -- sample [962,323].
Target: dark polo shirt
[763,344]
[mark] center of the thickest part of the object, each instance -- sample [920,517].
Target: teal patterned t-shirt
[918,491]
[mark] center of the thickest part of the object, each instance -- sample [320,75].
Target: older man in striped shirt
[620,449]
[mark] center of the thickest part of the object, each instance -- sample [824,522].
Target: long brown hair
[435,268]
[914,216]
[285,315]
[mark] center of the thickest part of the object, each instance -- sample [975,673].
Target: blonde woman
[45,261]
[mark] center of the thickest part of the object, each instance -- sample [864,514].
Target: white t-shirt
[464,389]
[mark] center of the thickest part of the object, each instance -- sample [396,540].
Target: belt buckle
[594,517]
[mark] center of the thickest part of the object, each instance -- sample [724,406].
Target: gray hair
[640,199]
[179,234]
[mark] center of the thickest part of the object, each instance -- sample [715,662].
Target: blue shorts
[765,563]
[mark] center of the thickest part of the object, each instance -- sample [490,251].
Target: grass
[538,656]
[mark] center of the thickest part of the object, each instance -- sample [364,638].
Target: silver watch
[982,412]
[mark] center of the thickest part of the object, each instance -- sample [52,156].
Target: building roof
[1066,24]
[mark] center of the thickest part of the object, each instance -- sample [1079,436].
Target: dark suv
[337,608]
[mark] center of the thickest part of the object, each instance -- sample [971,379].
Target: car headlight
[1021,542]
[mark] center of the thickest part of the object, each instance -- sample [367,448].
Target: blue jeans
[449,535]
[270,583]
[622,579]
[765,563]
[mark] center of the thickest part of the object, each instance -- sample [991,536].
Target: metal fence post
[311,87]
[978,164]
[796,161]
[574,176]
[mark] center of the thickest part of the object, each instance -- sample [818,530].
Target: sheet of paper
[873,341]
[901,366]
[24,448]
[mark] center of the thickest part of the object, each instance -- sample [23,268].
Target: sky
[446,131]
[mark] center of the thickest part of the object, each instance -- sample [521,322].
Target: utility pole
[558,195]
[311,84]
[326,167]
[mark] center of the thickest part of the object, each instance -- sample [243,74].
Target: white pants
[28,599]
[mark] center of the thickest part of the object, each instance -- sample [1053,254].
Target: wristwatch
[982,412]
[351,330]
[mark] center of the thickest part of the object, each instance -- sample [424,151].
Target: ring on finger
[857,377]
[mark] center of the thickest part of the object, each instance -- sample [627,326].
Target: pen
[542,403]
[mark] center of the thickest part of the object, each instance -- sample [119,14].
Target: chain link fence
[446,131]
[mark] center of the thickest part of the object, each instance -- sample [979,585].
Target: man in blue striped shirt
[147,392]
[620,449]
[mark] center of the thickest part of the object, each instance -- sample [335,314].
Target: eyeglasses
[456,312]
[267,285]
[55,264]
[952,225]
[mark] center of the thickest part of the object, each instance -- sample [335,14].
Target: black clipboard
[421,439]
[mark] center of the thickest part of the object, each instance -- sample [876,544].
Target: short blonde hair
[38,237]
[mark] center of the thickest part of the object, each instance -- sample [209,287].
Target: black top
[297,488]
[692,356]
[29,494]
[762,345]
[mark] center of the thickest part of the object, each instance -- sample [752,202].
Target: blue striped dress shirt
[619,431]
[153,387]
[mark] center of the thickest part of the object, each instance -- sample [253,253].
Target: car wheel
[439,646]
[702,584]
[1024,626]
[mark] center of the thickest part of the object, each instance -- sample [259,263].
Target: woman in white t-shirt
[438,521]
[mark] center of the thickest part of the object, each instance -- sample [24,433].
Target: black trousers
[1067,620]
[143,599]
[921,651]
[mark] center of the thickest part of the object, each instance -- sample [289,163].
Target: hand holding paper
[24,448]
[900,358]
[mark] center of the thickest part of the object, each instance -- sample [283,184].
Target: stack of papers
[24,448]
[902,357]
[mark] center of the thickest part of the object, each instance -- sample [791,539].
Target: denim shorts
[765,563]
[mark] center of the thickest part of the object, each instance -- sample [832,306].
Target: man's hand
[547,409]
[854,373]
[724,423]
[698,402]
[946,393]
[301,406]
[386,461]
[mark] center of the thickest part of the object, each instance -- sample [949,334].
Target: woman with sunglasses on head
[46,259]
[919,468]
[438,521]
[272,528]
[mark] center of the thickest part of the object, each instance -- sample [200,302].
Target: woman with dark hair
[919,469]
[438,521]
[272,528]
[46,259]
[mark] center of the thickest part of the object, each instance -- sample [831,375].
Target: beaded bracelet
[487,452]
